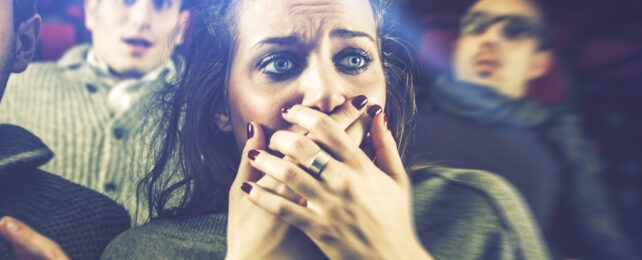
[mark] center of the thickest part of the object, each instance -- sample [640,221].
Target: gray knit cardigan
[65,104]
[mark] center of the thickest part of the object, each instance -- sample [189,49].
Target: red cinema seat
[55,39]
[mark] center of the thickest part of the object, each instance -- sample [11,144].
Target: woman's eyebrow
[344,33]
[286,40]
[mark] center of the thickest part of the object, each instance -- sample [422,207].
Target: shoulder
[80,220]
[193,238]
[473,214]
[42,74]
[79,211]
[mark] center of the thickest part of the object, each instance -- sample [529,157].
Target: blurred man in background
[91,106]
[480,117]
[80,220]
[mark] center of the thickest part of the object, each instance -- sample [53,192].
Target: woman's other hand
[355,208]
[258,233]
[253,233]
[27,243]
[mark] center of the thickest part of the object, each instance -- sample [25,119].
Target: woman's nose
[323,89]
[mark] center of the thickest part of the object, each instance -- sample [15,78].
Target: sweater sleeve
[83,222]
[468,214]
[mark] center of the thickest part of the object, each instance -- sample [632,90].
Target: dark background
[599,68]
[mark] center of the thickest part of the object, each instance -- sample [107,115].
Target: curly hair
[207,158]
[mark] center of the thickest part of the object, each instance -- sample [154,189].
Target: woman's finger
[287,173]
[290,212]
[27,243]
[324,130]
[255,141]
[386,152]
[303,151]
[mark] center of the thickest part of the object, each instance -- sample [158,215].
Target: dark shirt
[80,220]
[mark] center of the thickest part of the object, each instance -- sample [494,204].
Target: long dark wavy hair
[196,162]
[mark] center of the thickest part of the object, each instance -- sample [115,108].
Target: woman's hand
[27,243]
[355,209]
[257,234]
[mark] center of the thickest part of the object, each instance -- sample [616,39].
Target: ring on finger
[318,163]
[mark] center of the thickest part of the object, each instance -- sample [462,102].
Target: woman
[276,99]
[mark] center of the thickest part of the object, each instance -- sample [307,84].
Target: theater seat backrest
[55,39]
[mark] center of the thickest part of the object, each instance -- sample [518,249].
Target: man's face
[134,36]
[498,46]
[6,42]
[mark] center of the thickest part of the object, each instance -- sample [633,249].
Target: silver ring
[318,163]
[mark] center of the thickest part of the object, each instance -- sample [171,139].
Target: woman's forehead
[305,19]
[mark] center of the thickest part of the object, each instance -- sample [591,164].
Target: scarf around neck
[485,105]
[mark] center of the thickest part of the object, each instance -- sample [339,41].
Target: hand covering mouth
[139,42]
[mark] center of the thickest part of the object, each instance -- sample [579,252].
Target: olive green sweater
[459,214]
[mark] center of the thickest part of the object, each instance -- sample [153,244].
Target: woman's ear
[223,122]
[26,42]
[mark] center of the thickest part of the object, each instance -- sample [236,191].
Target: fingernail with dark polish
[360,101]
[253,154]
[385,122]
[250,130]
[246,187]
[374,110]
[285,109]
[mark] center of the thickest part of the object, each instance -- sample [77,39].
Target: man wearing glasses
[480,117]
[91,106]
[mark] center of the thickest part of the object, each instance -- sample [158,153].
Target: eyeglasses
[515,28]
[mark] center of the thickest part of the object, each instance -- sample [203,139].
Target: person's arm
[473,214]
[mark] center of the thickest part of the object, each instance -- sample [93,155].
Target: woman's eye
[162,4]
[353,61]
[278,66]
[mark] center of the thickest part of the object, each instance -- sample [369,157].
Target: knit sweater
[98,126]
[80,220]
[459,214]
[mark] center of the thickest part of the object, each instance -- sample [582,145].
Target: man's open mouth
[138,42]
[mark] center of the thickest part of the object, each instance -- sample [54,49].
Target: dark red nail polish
[253,154]
[285,109]
[250,130]
[246,187]
[385,122]
[374,110]
[360,101]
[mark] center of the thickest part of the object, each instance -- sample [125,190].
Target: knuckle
[282,211]
[276,136]
[344,186]
[296,143]
[325,233]
[288,175]
[322,123]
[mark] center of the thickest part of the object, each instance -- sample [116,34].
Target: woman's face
[317,53]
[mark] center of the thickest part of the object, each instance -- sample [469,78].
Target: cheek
[372,84]
[517,62]
[462,55]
